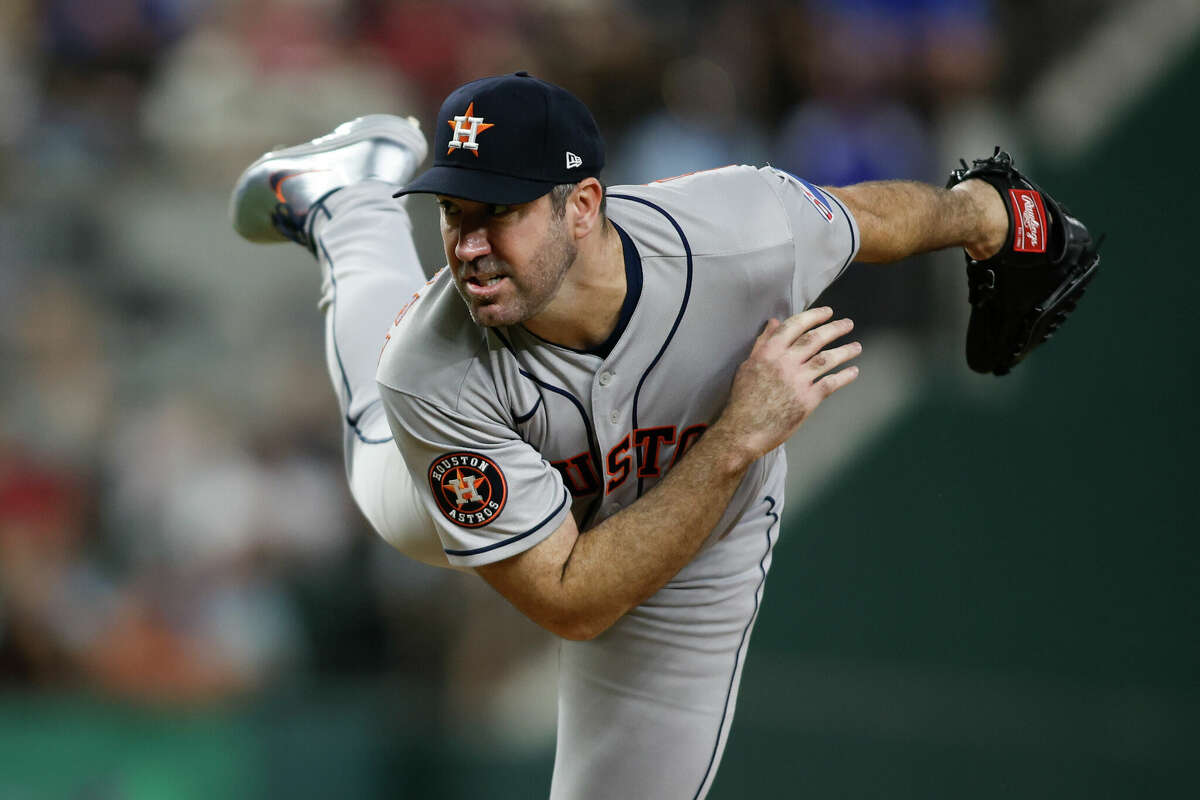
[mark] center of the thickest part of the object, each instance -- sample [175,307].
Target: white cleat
[272,198]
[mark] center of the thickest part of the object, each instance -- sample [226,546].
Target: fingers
[826,360]
[788,374]
[769,329]
[795,326]
[804,335]
[815,340]
[802,339]
[831,383]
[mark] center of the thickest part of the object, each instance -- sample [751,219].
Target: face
[508,261]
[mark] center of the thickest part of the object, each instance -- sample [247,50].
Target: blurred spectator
[440,44]
[700,127]
[53,603]
[871,68]
[18,95]
[58,391]
[609,53]
[155,634]
[857,122]
[98,54]
[187,486]
[254,75]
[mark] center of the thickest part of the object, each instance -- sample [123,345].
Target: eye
[448,208]
[500,210]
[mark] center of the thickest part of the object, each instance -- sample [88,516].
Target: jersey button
[614,417]
[605,378]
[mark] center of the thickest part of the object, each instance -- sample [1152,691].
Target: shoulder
[434,350]
[728,210]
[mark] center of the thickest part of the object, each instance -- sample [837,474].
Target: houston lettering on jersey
[642,453]
[469,489]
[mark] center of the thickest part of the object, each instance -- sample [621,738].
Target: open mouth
[483,286]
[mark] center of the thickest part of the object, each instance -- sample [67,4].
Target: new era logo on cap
[525,136]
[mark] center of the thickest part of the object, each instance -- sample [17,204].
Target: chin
[494,316]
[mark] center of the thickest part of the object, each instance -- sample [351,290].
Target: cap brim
[476,185]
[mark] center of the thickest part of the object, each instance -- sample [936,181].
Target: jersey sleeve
[824,234]
[490,494]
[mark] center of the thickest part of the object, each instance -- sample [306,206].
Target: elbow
[578,626]
[577,634]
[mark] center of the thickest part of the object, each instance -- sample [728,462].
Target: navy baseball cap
[510,139]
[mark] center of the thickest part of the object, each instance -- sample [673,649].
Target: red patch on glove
[1029,221]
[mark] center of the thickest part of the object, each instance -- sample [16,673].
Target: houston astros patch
[469,489]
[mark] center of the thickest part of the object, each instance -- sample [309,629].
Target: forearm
[898,219]
[628,557]
[578,584]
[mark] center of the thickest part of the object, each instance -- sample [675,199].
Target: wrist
[989,226]
[731,451]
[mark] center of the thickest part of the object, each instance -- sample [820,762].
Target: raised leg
[334,196]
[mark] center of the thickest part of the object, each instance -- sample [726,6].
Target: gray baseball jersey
[509,433]
[505,434]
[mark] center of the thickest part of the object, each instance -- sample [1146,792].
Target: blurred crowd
[174,523]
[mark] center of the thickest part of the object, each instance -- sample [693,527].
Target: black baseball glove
[1020,296]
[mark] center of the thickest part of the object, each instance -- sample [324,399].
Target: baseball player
[586,405]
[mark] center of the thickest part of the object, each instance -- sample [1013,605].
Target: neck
[585,311]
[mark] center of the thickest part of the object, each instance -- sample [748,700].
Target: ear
[583,207]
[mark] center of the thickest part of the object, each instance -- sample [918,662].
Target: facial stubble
[539,284]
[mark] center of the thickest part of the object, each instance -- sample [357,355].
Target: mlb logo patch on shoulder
[469,488]
[817,198]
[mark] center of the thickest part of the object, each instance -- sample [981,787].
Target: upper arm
[784,225]
[497,504]
[489,493]
[825,234]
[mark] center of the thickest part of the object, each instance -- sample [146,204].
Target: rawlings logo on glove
[1020,296]
[1029,216]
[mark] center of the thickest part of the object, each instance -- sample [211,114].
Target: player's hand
[785,378]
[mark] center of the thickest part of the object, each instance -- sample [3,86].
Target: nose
[472,243]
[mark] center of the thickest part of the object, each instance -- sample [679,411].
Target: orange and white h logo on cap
[466,127]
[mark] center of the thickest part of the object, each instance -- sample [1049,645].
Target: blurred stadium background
[985,588]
